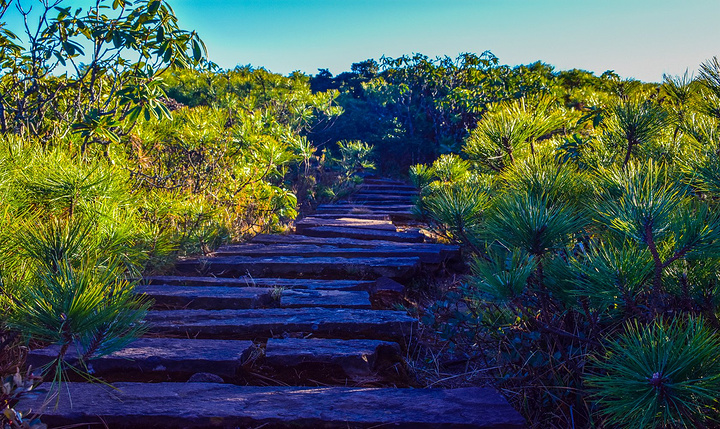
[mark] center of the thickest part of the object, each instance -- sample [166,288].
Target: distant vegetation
[587,206]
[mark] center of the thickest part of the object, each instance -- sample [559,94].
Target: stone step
[372,192]
[159,359]
[345,222]
[395,216]
[406,199]
[298,267]
[445,249]
[186,405]
[426,255]
[352,359]
[235,298]
[263,282]
[270,322]
[377,215]
[324,298]
[360,202]
[350,207]
[207,297]
[382,181]
[364,234]
[387,187]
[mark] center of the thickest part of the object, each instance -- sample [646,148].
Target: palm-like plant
[511,128]
[535,225]
[635,122]
[662,375]
[645,206]
[456,212]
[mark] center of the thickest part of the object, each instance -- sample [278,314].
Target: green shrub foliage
[590,221]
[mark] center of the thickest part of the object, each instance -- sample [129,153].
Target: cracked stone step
[446,249]
[387,187]
[160,358]
[235,298]
[266,323]
[395,216]
[297,266]
[382,181]
[371,192]
[195,405]
[387,208]
[263,282]
[359,202]
[355,358]
[347,222]
[364,234]
[207,297]
[325,298]
[426,255]
[403,199]
[373,216]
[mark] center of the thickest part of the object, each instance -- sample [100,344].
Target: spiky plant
[644,206]
[634,122]
[661,375]
[511,129]
[457,212]
[535,225]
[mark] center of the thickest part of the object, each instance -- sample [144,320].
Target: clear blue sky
[636,38]
[641,39]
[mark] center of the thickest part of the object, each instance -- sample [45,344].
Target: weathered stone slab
[269,322]
[392,204]
[298,267]
[366,191]
[426,255]
[387,187]
[347,222]
[381,181]
[355,357]
[324,298]
[359,213]
[207,297]
[364,234]
[398,199]
[447,250]
[263,282]
[364,207]
[154,356]
[202,405]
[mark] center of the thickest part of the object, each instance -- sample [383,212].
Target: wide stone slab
[365,207]
[394,216]
[387,187]
[426,255]
[155,357]
[364,234]
[298,267]
[202,405]
[399,199]
[356,358]
[207,297]
[381,181]
[347,222]
[266,323]
[387,192]
[324,298]
[263,282]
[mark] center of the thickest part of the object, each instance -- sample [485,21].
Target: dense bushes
[143,154]
[594,247]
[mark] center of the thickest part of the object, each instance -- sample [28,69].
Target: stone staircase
[284,331]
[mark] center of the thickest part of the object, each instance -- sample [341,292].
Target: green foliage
[660,375]
[599,212]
